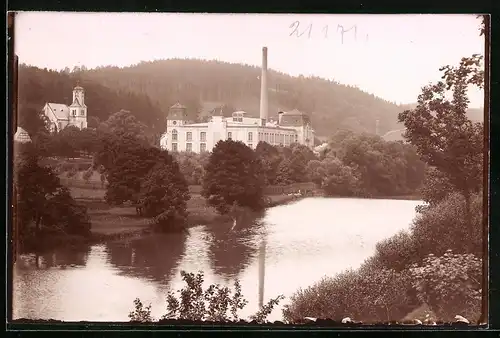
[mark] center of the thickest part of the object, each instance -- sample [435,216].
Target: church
[291,127]
[60,115]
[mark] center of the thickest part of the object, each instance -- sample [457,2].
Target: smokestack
[264,104]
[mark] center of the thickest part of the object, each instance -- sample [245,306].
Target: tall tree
[124,123]
[443,135]
[164,193]
[233,175]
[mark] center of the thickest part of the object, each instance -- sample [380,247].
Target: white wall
[218,129]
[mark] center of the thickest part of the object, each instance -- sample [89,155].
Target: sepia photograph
[290,169]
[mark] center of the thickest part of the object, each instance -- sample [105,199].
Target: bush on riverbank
[401,276]
[439,228]
[196,304]
[368,294]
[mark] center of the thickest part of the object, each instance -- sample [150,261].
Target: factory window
[203,136]
[260,136]
[250,137]
[203,147]
[229,135]
[189,136]
[296,138]
[250,145]
[282,138]
[174,135]
[59,126]
[174,146]
[287,138]
[266,137]
[272,138]
[74,112]
[189,147]
[235,119]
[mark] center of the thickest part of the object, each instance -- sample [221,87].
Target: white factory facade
[291,127]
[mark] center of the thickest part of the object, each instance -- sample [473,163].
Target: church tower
[78,109]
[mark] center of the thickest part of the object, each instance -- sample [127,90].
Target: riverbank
[122,223]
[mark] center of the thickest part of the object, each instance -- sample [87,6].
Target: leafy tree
[450,284]
[63,213]
[270,159]
[42,201]
[285,173]
[315,172]
[124,124]
[443,135]
[126,162]
[88,141]
[436,186]
[164,193]
[339,179]
[233,175]
[68,141]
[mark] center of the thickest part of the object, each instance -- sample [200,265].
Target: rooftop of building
[177,106]
[61,111]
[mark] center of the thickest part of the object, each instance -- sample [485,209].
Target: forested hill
[148,89]
[38,86]
[203,84]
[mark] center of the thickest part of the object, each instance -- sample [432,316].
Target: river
[304,241]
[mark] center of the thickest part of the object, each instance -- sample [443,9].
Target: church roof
[61,111]
[178,105]
[22,135]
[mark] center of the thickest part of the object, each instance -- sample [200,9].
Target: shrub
[443,226]
[396,252]
[450,285]
[195,304]
[369,295]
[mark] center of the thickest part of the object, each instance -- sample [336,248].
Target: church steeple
[79,95]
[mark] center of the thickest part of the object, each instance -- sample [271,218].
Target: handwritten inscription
[299,31]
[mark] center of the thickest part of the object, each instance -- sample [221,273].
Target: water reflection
[154,257]
[290,247]
[233,247]
[59,258]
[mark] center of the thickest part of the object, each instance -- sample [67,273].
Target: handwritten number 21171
[295,29]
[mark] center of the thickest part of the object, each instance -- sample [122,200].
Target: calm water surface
[304,241]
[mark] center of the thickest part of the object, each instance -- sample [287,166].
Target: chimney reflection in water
[262,270]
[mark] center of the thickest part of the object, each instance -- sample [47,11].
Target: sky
[390,56]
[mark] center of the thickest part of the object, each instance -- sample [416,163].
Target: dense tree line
[366,165]
[148,89]
[439,261]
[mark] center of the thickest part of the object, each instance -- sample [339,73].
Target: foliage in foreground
[368,295]
[450,285]
[195,304]
[438,228]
